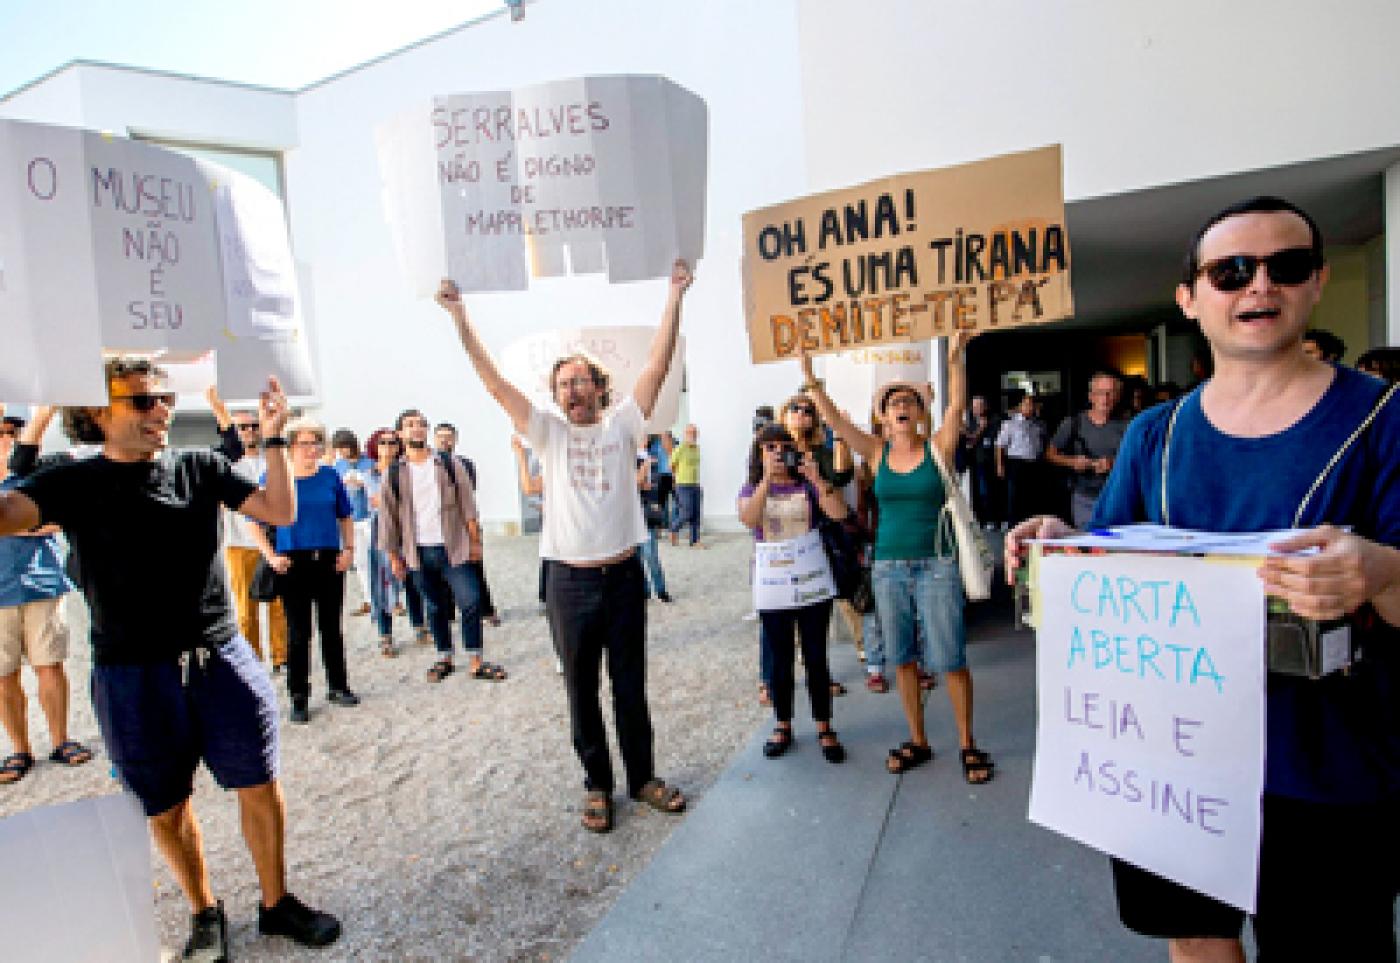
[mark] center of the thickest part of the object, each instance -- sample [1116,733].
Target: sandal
[832,751]
[71,753]
[386,648]
[927,680]
[977,762]
[907,756]
[598,811]
[875,682]
[15,767]
[780,742]
[441,669]
[661,797]
[489,671]
[837,689]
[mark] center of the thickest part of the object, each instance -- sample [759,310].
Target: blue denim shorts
[928,590]
[159,720]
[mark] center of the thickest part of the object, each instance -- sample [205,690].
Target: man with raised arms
[594,590]
[172,681]
[1274,440]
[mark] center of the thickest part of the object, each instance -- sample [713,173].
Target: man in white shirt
[595,590]
[241,553]
[1020,445]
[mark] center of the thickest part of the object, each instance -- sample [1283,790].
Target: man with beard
[595,591]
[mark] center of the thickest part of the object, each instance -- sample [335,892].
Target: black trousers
[313,583]
[810,625]
[488,607]
[1024,489]
[591,610]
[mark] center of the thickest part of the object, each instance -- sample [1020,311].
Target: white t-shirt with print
[592,511]
[427,502]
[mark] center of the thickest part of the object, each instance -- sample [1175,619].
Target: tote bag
[975,559]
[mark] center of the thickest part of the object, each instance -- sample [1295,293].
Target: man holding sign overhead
[173,683]
[1277,440]
[594,590]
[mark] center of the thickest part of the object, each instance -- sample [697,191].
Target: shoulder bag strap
[1337,455]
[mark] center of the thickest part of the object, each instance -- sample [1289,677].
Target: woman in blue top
[310,558]
[915,574]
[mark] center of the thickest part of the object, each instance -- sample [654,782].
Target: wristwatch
[276,441]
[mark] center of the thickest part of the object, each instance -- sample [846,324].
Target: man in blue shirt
[1276,439]
[32,628]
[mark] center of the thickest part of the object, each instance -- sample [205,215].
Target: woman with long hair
[383,449]
[784,499]
[915,571]
[311,557]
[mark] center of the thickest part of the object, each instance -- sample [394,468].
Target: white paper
[78,885]
[1150,734]
[578,176]
[791,574]
[528,362]
[1147,537]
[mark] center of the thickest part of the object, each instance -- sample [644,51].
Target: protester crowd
[281,511]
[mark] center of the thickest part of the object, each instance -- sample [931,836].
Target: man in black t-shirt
[174,683]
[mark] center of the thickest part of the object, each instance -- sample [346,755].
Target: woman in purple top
[784,499]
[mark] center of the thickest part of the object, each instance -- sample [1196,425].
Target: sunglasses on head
[146,401]
[1289,267]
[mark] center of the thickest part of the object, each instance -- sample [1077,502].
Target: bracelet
[276,441]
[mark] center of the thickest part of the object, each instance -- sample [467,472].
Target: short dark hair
[345,438]
[1263,203]
[408,413]
[15,421]
[1382,362]
[445,426]
[80,422]
[1331,346]
[769,433]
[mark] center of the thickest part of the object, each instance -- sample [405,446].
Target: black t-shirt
[148,536]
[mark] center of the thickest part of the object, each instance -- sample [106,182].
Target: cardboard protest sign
[118,245]
[93,856]
[853,377]
[622,351]
[581,176]
[909,258]
[1150,735]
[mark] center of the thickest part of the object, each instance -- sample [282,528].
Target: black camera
[760,423]
[792,460]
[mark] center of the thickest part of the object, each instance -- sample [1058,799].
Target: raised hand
[449,297]
[681,276]
[273,409]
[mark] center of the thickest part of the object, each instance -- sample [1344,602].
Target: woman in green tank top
[915,572]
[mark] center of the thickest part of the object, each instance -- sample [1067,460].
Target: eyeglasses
[807,410]
[777,446]
[144,401]
[1289,267]
[388,441]
[313,443]
[576,383]
[247,427]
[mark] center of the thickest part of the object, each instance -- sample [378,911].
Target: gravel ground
[441,822]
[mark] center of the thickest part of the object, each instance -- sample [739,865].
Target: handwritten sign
[1150,736]
[580,176]
[622,351]
[853,377]
[118,245]
[909,258]
[791,573]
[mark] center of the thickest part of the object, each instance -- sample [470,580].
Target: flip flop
[15,767]
[489,672]
[70,753]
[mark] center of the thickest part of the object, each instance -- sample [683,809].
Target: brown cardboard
[979,246]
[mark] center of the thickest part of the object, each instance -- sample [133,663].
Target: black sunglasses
[246,427]
[147,401]
[802,410]
[1290,266]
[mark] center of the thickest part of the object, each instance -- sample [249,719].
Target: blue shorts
[929,590]
[157,727]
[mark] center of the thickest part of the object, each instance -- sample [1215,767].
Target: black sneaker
[208,936]
[300,713]
[343,697]
[295,920]
[664,596]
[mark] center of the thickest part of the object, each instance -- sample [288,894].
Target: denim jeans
[921,594]
[874,642]
[810,624]
[652,559]
[383,591]
[590,610]
[688,499]
[441,584]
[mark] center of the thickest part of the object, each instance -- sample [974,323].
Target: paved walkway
[795,859]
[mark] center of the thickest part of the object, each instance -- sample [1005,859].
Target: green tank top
[910,506]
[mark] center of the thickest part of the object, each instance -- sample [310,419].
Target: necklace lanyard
[1317,482]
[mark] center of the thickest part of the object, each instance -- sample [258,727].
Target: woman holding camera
[915,572]
[784,499]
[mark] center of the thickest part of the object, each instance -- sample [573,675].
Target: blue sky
[275,43]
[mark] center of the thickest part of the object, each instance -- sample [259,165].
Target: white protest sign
[118,245]
[853,377]
[791,574]
[1150,735]
[578,176]
[622,351]
[79,885]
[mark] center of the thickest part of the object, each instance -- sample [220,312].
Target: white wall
[1140,94]
[381,350]
[56,100]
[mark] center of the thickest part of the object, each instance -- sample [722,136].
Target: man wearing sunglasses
[1276,439]
[594,588]
[173,684]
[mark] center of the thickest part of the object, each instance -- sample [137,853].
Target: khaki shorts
[34,631]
